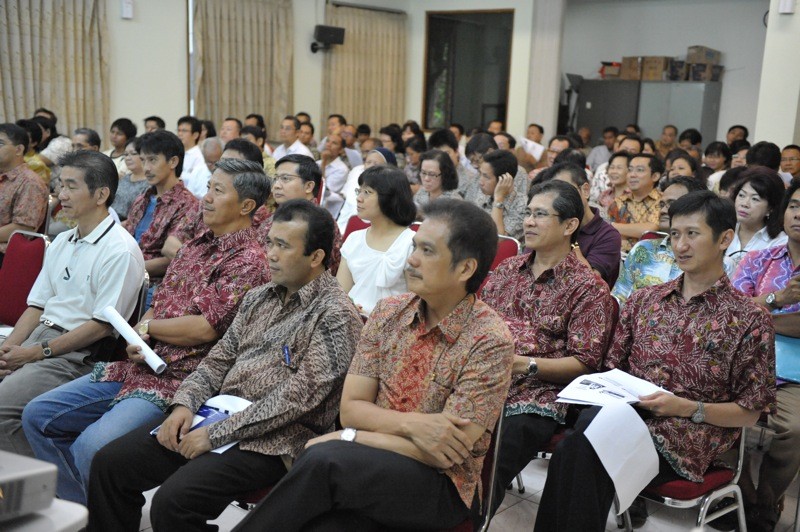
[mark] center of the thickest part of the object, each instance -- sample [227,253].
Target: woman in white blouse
[373,259]
[757,196]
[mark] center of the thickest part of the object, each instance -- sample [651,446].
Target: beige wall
[148,62]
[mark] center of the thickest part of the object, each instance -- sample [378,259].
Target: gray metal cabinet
[651,104]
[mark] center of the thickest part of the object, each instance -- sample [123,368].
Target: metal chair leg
[520,484]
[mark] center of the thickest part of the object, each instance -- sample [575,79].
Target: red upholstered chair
[718,483]
[21,265]
[414,226]
[506,247]
[354,224]
[653,235]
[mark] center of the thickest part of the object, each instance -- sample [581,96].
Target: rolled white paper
[153,360]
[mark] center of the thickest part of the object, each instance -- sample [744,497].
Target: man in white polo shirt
[189,132]
[94,265]
[290,136]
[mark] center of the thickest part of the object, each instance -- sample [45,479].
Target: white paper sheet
[622,442]
[229,404]
[5,331]
[607,388]
[121,325]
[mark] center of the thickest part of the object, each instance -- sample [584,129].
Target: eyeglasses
[789,159]
[431,175]
[665,204]
[286,178]
[638,169]
[538,215]
[367,191]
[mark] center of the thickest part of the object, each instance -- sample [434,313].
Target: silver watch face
[348,434]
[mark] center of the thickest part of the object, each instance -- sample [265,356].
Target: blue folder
[787,358]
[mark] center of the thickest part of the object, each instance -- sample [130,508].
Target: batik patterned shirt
[209,277]
[717,347]
[289,358]
[766,271]
[461,366]
[627,210]
[565,312]
[171,208]
[23,198]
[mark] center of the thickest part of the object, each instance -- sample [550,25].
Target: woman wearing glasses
[133,183]
[373,259]
[438,178]
[757,197]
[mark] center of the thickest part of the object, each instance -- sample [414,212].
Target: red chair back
[354,224]
[653,235]
[506,247]
[414,226]
[21,265]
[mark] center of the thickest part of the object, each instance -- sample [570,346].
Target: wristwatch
[772,302]
[499,205]
[533,367]
[700,415]
[144,327]
[348,434]
[46,351]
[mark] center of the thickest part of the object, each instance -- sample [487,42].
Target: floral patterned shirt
[171,208]
[292,402]
[461,366]
[565,312]
[764,271]
[627,210]
[717,347]
[23,199]
[209,277]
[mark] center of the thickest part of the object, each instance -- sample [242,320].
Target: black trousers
[337,485]
[578,492]
[523,436]
[191,493]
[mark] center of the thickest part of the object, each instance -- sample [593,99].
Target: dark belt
[50,324]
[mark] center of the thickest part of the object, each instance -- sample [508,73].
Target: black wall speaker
[328,34]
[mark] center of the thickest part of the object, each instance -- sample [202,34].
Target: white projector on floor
[26,485]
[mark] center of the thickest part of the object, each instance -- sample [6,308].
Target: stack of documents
[607,388]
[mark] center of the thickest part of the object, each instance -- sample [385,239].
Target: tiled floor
[518,511]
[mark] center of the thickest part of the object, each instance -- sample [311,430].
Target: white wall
[148,62]
[778,105]
[607,30]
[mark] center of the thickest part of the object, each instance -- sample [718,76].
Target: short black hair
[791,147]
[635,127]
[631,136]
[743,128]
[163,142]
[249,151]
[730,178]
[294,120]
[647,141]
[259,120]
[33,130]
[621,153]
[342,120]
[611,129]
[768,184]
[502,162]
[512,142]
[125,125]
[794,186]
[320,232]
[47,124]
[364,129]
[567,202]
[719,212]
[656,166]
[395,133]
[256,131]
[739,145]
[672,127]
[480,143]
[472,235]
[577,174]
[417,144]
[721,149]
[17,135]
[92,136]
[571,155]
[157,119]
[448,171]
[394,192]
[692,135]
[443,137]
[764,154]
[303,113]
[309,124]
[234,119]
[48,112]
[249,180]
[211,130]
[458,127]
[98,170]
[192,121]
[689,159]
[307,169]
[497,120]
[563,138]
[537,126]
[689,183]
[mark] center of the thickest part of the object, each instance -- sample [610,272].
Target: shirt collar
[307,294]
[452,324]
[167,197]
[710,295]
[628,195]
[228,241]
[778,252]
[595,225]
[12,174]
[97,233]
[566,265]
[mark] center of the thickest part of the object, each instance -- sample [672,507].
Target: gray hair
[249,180]
[207,143]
